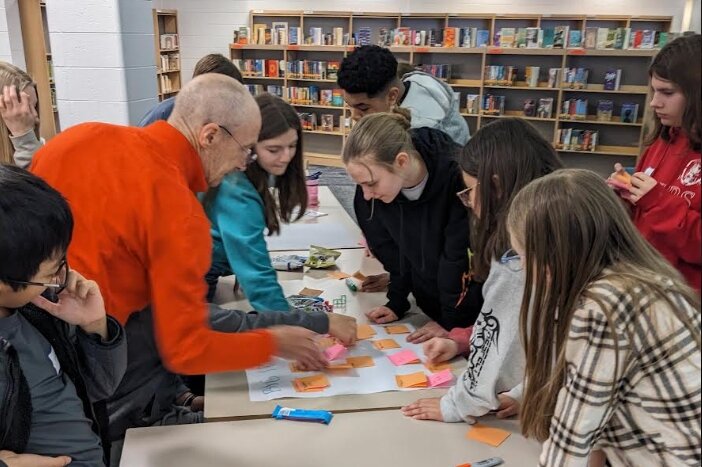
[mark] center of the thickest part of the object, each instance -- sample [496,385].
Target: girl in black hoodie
[414,223]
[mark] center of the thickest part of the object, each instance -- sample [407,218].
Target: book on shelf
[482,38]
[338,36]
[629,113]
[529,108]
[545,108]
[520,38]
[575,78]
[450,39]
[308,120]
[590,38]
[493,105]
[441,71]
[507,36]
[574,109]
[648,39]
[605,109]
[315,37]
[384,38]
[548,36]
[612,79]
[560,37]
[333,69]
[500,75]
[337,98]
[497,38]
[472,103]
[244,35]
[325,97]
[575,38]
[294,35]
[531,76]
[554,77]
[364,35]
[602,34]
[279,33]
[169,41]
[259,34]
[326,122]
[532,38]
[573,139]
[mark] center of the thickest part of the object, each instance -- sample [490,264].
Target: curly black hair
[369,69]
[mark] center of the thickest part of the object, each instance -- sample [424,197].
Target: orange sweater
[141,233]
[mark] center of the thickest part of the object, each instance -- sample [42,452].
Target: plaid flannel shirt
[654,419]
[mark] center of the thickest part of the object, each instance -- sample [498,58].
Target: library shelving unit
[617,141]
[37,54]
[167,43]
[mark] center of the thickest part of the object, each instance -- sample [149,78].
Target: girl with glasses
[497,162]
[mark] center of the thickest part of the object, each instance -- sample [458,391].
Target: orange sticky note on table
[488,435]
[437,367]
[386,344]
[404,357]
[359,275]
[335,351]
[338,275]
[312,383]
[364,331]
[442,377]
[412,380]
[294,368]
[345,365]
[397,329]
[360,362]
[307,292]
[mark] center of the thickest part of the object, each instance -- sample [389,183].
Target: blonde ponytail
[381,137]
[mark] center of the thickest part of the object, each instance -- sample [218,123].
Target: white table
[335,230]
[382,438]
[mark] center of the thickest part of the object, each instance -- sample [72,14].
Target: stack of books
[308,121]
[493,105]
[575,78]
[313,69]
[572,139]
[439,71]
[574,109]
[499,75]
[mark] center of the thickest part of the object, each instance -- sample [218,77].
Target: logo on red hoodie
[692,173]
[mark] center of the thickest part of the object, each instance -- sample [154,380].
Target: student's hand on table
[343,328]
[376,283]
[426,332]
[32,460]
[381,315]
[440,349]
[295,343]
[424,409]
[15,110]
[508,406]
[79,304]
[640,185]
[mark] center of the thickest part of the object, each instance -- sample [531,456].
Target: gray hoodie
[434,105]
[496,361]
[25,146]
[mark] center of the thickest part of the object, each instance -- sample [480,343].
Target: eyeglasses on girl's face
[464,195]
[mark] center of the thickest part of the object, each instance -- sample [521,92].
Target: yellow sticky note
[437,367]
[364,331]
[488,435]
[412,380]
[307,292]
[397,329]
[386,344]
[312,383]
[360,362]
[338,275]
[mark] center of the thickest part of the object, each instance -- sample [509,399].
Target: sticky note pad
[314,383]
[413,380]
[343,365]
[335,351]
[386,344]
[404,357]
[360,362]
[364,331]
[442,377]
[488,435]
[338,275]
[326,342]
[359,275]
[436,367]
[397,329]
[307,292]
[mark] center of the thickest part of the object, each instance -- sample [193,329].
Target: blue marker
[285,413]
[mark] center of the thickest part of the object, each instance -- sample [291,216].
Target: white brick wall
[5,47]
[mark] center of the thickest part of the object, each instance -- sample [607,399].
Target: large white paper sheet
[274,380]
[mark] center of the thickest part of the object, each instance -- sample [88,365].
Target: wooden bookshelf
[616,138]
[167,45]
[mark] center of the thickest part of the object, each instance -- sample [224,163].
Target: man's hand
[426,332]
[32,460]
[295,343]
[15,109]
[343,328]
[376,283]
[440,349]
[640,185]
[381,315]
[424,409]
[79,304]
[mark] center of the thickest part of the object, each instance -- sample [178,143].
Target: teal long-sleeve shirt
[238,224]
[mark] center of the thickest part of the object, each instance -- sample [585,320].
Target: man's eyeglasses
[250,155]
[464,195]
[59,283]
[512,260]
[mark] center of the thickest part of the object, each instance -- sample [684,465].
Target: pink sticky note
[334,352]
[442,377]
[403,357]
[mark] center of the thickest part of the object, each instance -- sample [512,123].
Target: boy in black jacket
[60,354]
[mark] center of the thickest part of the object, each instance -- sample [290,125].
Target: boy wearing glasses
[59,357]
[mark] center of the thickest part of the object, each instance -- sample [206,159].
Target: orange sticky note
[364,331]
[386,344]
[312,383]
[325,342]
[359,275]
[412,380]
[360,362]
[397,329]
[488,435]
[437,367]
[339,366]
[307,292]
[294,368]
[338,275]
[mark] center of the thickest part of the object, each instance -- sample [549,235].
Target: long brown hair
[10,75]
[575,231]
[278,117]
[504,156]
[679,62]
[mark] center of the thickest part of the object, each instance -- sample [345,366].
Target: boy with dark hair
[371,84]
[61,356]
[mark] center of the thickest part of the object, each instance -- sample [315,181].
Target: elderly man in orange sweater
[143,236]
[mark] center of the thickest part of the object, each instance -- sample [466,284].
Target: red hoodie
[142,235]
[668,216]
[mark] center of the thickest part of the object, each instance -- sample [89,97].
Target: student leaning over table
[497,162]
[142,234]
[612,338]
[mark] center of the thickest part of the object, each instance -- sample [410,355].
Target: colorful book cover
[637,37]
[520,38]
[612,79]
[507,37]
[611,37]
[560,37]
[648,39]
[333,69]
[548,38]
[590,38]
[629,113]
[605,109]
[545,109]
[532,76]
[449,37]
[472,103]
[529,108]
[619,35]
[272,68]
[602,38]
[482,38]
[532,38]
[662,39]
[575,37]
